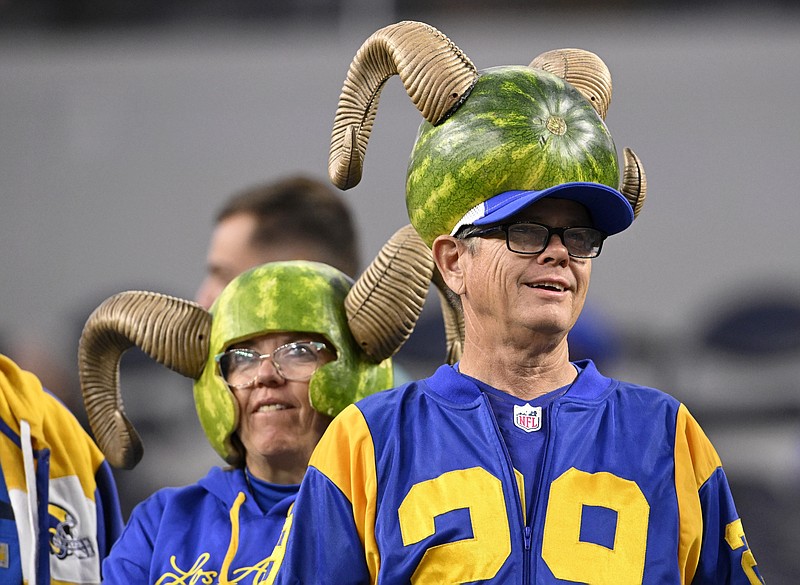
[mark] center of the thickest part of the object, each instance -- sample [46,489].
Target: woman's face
[277,425]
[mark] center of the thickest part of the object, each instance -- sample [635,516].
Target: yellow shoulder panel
[695,461]
[346,456]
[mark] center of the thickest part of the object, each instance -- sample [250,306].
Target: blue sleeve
[324,546]
[109,516]
[725,557]
[131,556]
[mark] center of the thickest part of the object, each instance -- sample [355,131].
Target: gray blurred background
[124,125]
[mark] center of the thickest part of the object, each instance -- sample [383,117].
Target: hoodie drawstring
[234,544]
[33,504]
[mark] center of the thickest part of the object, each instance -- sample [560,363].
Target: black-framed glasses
[527,237]
[294,361]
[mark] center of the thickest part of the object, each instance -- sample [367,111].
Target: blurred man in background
[293,218]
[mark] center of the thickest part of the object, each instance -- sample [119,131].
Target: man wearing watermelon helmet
[513,465]
[273,361]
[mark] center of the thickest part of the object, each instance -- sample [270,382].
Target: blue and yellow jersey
[416,485]
[59,511]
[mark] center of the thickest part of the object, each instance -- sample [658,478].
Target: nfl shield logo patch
[528,418]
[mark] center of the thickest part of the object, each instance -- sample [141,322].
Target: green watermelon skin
[285,296]
[520,128]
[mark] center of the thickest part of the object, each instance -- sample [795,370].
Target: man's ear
[447,254]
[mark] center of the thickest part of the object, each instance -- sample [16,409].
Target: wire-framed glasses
[294,361]
[527,237]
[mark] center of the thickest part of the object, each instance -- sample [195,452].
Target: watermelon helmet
[493,141]
[365,322]
[297,296]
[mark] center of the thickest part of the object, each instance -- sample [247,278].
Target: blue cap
[610,211]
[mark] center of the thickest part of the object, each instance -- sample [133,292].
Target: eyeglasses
[526,237]
[294,361]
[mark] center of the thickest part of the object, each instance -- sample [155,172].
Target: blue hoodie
[209,532]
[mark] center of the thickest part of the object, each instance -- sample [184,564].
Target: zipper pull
[528,534]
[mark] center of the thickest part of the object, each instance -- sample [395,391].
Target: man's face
[507,293]
[229,254]
[232,251]
[277,425]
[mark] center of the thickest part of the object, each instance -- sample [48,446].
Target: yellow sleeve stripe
[695,462]
[346,456]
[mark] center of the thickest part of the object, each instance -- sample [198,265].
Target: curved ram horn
[385,302]
[453,317]
[634,181]
[172,331]
[584,70]
[436,74]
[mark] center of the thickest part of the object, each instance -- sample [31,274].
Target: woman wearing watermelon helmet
[273,361]
[515,465]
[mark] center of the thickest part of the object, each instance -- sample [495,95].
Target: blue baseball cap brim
[610,211]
